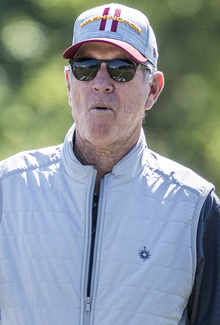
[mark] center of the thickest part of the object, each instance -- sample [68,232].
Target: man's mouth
[102,109]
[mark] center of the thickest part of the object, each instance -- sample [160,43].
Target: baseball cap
[119,25]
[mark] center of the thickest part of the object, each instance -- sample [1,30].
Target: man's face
[107,113]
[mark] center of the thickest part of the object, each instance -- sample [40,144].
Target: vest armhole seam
[194,226]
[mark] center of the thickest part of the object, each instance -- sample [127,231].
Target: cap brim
[135,54]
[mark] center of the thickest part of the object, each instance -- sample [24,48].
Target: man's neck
[102,159]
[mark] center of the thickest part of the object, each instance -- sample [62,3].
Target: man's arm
[204,303]
[1,203]
[1,199]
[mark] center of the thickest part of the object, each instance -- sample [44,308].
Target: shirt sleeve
[1,200]
[204,302]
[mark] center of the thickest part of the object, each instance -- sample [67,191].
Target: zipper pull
[88,304]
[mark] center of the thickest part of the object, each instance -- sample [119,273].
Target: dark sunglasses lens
[84,69]
[122,70]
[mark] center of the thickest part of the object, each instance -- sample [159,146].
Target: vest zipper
[88,307]
[89,298]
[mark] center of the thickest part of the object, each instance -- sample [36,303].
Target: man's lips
[101,108]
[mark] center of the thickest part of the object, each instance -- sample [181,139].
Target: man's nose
[103,82]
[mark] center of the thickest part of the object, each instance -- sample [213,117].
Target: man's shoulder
[30,160]
[178,174]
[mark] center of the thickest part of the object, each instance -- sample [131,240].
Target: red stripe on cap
[103,21]
[115,22]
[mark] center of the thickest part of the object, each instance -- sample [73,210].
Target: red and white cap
[116,24]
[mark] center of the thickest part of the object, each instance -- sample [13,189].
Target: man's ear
[157,84]
[68,83]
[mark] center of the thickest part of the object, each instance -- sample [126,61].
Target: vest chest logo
[144,254]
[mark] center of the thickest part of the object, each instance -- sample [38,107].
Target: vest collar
[125,170]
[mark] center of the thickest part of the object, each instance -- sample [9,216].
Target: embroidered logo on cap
[144,254]
[109,22]
[110,25]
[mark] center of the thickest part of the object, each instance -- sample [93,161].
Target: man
[101,230]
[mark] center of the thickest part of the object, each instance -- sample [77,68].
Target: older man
[101,230]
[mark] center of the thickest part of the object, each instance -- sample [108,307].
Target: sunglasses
[121,70]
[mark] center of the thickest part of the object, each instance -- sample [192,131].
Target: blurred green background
[184,125]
